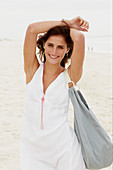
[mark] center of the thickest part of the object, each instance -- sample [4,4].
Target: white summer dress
[47,140]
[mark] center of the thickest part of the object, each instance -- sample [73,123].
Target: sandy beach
[95,84]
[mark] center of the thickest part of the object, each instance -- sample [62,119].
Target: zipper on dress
[42,101]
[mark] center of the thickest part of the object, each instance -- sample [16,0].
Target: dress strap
[67,78]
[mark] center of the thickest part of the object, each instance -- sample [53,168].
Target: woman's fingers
[83,29]
[81,22]
[87,25]
[84,24]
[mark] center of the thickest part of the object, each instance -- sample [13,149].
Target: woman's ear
[44,45]
[67,50]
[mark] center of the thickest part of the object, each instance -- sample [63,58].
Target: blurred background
[16,15]
[96,81]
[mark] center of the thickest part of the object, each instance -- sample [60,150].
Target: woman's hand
[79,24]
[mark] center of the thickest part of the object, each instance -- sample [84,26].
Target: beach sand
[95,84]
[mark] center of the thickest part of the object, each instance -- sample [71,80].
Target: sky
[16,15]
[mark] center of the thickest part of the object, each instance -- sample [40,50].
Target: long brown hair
[57,30]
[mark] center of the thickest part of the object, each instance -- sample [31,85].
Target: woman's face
[55,49]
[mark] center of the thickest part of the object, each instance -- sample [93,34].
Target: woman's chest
[56,93]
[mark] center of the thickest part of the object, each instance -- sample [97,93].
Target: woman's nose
[54,51]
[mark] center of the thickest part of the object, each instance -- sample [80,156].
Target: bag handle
[68,79]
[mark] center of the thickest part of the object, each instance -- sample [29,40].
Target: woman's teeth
[54,57]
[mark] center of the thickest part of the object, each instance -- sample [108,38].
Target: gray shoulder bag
[96,146]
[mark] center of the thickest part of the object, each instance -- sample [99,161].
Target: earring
[66,54]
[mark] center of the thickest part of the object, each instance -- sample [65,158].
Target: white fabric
[56,146]
[67,78]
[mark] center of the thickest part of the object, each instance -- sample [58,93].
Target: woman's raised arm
[77,24]
[77,58]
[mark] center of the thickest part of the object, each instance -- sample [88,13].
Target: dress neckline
[44,93]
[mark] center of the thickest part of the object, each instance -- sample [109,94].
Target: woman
[47,140]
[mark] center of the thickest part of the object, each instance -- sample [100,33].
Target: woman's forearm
[41,27]
[76,23]
[76,35]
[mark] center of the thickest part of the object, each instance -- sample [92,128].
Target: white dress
[55,147]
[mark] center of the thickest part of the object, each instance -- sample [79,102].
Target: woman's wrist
[76,35]
[66,22]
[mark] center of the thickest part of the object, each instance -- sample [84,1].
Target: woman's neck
[52,70]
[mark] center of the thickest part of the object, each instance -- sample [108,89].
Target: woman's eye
[60,47]
[50,45]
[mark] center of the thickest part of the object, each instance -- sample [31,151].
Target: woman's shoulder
[29,77]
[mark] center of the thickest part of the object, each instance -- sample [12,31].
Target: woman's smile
[53,57]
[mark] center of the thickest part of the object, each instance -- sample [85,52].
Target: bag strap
[68,79]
